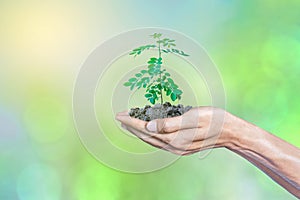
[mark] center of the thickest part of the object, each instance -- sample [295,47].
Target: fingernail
[151,126]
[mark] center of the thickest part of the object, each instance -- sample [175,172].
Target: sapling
[156,80]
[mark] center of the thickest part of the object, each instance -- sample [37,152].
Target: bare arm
[277,158]
[208,127]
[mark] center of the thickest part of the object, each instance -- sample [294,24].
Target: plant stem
[159,55]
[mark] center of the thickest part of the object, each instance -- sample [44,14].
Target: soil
[158,111]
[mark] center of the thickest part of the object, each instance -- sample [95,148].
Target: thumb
[166,125]
[152,126]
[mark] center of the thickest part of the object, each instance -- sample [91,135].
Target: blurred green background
[255,44]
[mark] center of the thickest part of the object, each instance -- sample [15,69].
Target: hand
[207,127]
[199,129]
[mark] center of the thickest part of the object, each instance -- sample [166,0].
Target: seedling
[155,79]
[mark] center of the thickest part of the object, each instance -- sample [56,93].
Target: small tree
[155,79]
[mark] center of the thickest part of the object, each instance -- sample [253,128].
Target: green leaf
[168,92]
[155,35]
[170,80]
[151,71]
[183,54]
[152,91]
[139,84]
[127,84]
[144,71]
[159,86]
[148,95]
[177,92]
[132,80]
[155,96]
[151,62]
[164,87]
[132,86]
[140,49]
[173,97]
[151,65]
[156,71]
[139,75]
[145,80]
[175,86]
[152,100]
[179,52]
[144,85]
[167,74]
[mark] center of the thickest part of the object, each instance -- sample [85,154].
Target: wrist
[239,134]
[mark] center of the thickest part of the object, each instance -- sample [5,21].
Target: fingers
[123,126]
[182,135]
[146,138]
[195,118]
[130,121]
[155,142]
[164,125]
[169,125]
[123,113]
[183,140]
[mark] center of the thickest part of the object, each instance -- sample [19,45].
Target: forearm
[277,158]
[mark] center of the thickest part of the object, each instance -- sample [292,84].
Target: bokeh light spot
[96,181]
[9,127]
[46,119]
[39,181]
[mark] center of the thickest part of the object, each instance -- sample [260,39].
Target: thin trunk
[161,96]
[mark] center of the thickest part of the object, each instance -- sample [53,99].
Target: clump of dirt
[158,111]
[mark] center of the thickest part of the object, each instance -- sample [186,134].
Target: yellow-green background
[255,44]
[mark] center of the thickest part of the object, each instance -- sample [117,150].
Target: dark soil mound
[158,111]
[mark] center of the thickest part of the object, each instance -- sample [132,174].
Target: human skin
[208,127]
